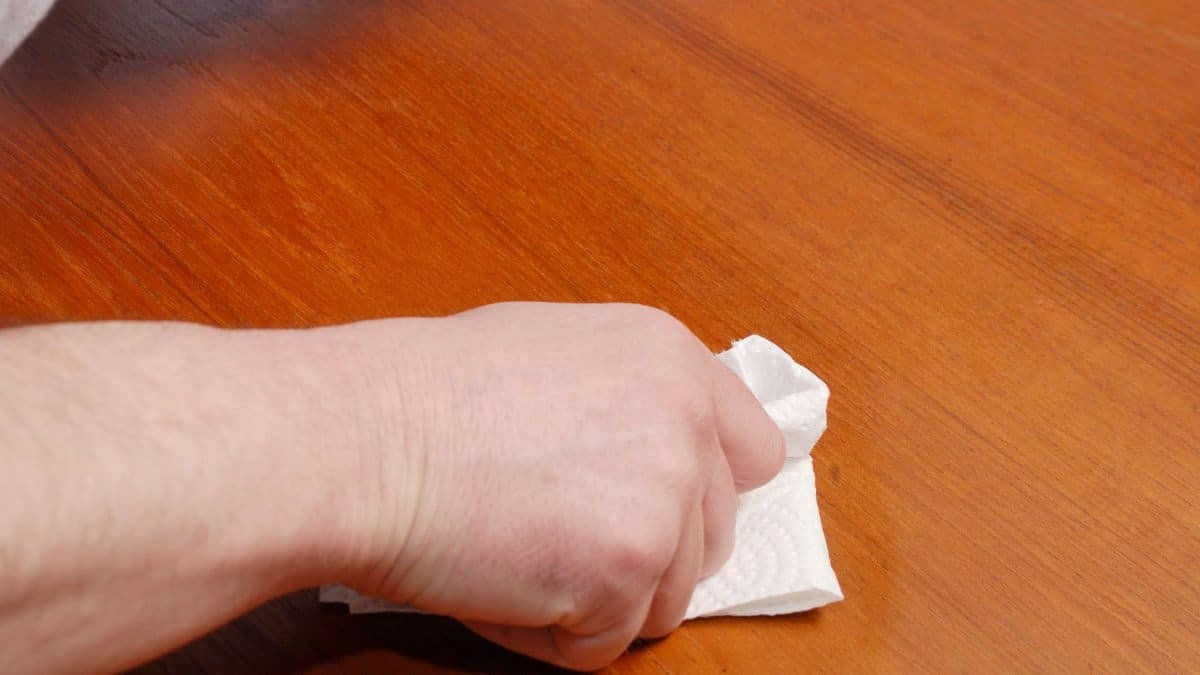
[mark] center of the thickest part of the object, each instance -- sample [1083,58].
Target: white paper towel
[780,563]
[17,19]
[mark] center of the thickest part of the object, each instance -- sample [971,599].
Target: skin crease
[558,477]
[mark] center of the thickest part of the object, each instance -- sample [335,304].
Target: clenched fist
[562,475]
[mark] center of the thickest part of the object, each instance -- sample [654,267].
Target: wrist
[360,384]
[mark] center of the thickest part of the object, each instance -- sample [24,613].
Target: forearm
[160,479]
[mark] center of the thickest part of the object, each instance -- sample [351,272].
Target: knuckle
[676,471]
[642,554]
[690,413]
[643,313]
[659,325]
[694,405]
[670,333]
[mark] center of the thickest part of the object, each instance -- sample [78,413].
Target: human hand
[560,477]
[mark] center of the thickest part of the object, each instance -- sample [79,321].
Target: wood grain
[978,222]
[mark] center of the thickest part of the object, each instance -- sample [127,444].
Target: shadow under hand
[296,633]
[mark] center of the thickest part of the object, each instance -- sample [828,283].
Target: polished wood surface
[978,222]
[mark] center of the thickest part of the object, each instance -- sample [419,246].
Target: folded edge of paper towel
[792,395]
[780,562]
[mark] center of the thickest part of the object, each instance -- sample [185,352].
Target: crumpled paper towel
[780,563]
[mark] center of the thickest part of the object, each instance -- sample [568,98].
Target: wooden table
[978,222]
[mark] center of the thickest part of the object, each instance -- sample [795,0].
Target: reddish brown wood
[979,222]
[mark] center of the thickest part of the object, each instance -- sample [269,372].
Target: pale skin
[557,477]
